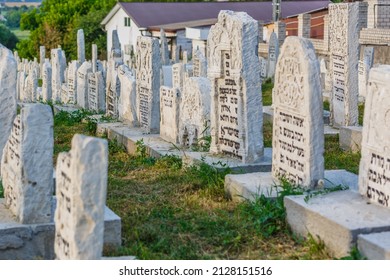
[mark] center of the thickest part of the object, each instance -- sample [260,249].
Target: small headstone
[127,107]
[169,110]
[27,165]
[298,128]
[81,186]
[273,53]
[80,46]
[82,84]
[148,84]
[234,71]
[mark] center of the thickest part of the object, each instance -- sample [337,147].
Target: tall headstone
[164,49]
[169,110]
[148,84]
[71,97]
[96,92]
[298,128]
[344,55]
[374,172]
[42,58]
[127,107]
[46,81]
[8,101]
[32,86]
[280,30]
[364,68]
[58,73]
[273,53]
[234,71]
[80,46]
[81,186]
[82,84]
[20,85]
[27,165]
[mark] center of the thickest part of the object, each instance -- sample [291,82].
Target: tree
[7,38]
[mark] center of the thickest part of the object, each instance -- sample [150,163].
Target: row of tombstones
[26,151]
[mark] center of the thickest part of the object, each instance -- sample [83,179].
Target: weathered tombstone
[71,97]
[80,46]
[127,107]
[200,65]
[374,172]
[280,30]
[32,86]
[20,85]
[42,57]
[194,121]
[148,84]
[26,165]
[263,68]
[169,110]
[58,73]
[81,186]
[234,71]
[273,53]
[178,75]
[96,92]
[7,94]
[46,81]
[82,84]
[344,54]
[298,140]
[364,68]
[164,49]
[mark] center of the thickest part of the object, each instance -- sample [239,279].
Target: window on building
[127,21]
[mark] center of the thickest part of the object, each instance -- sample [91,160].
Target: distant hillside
[19,3]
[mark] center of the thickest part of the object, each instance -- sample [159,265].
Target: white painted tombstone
[71,97]
[374,171]
[127,107]
[273,53]
[199,64]
[80,46]
[164,49]
[82,84]
[8,101]
[170,114]
[234,71]
[344,56]
[298,128]
[263,68]
[27,165]
[148,84]
[364,68]
[58,73]
[81,187]
[194,122]
[46,81]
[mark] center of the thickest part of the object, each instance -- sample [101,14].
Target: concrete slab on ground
[336,219]
[248,186]
[36,241]
[67,108]
[375,246]
[351,138]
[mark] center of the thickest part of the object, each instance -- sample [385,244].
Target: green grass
[1,190]
[22,35]
[267,92]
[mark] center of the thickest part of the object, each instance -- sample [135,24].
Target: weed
[314,193]
[316,246]
[354,255]
[1,190]
[141,150]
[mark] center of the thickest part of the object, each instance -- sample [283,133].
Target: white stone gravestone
[127,107]
[170,114]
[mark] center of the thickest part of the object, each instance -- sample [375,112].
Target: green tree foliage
[7,38]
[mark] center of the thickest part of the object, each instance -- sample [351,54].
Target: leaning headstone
[273,53]
[298,138]
[200,65]
[344,55]
[234,71]
[364,68]
[58,73]
[169,110]
[81,186]
[7,94]
[46,81]
[27,165]
[374,172]
[82,84]
[127,107]
[80,46]
[148,84]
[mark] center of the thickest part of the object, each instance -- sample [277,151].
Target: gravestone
[178,76]
[42,57]
[344,55]
[164,49]
[364,68]
[127,107]
[81,186]
[8,99]
[374,172]
[58,73]
[96,92]
[32,86]
[298,140]
[148,84]
[20,85]
[199,64]
[234,71]
[273,53]
[71,97]
[27,165]
[170,114]
[82,84]
[263,68]
[80,46]
[46,81]
[194,122]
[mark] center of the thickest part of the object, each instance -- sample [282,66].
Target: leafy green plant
[314,193]
[1,190]
[354,254]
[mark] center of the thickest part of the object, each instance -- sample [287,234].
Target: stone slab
[336,219]
[241,187]
[36,241]
[221,162]
[350,138]
[375,246]
[66,108]
[268,115]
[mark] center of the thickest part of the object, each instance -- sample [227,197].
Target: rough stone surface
[234,71]
[46,81]
[81,186]
[127,107]
[169,112]
[375,246]
[374,180]
[298,127]
[350,138]
[82,84]
[273,54]
[7,94]
[148,84]
[27,168]
[336,219]
[344,30]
